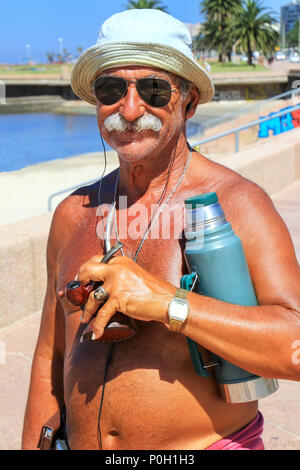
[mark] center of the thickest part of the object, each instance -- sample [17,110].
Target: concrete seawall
[23,267]
[253,85]
[273,164]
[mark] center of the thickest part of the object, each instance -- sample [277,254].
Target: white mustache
[116,122]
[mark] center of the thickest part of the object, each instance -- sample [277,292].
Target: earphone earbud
[188,107]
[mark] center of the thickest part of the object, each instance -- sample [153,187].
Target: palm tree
[215,36]
[218,9]
[79,50]
[50,57]
[217,27]
[254,27]
[146,4]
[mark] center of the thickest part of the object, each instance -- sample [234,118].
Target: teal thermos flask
[217,268]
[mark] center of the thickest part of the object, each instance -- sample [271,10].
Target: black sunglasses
[155,92]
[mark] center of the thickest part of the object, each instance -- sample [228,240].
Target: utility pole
[28,47]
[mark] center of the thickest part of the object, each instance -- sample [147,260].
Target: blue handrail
[237,130]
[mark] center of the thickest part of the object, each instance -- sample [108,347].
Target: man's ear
[193,103]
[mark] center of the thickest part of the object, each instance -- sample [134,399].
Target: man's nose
[132,106]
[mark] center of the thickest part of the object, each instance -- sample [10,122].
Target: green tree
[65,54]
[217,30]
[146,4]
[254,26]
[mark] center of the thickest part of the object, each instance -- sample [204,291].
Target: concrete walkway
[37,182]
[17,341]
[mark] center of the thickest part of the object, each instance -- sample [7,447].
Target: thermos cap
[201,199]
[203,213]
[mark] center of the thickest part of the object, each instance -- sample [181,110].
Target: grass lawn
[31,69]
[235,67]
[57,68]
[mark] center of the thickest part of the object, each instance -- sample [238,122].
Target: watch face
[178,309]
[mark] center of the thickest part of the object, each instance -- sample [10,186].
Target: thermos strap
[187,282]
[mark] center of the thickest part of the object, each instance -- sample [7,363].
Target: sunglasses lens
[109,90]
[155,91]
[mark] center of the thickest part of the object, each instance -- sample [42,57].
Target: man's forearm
[258,339]
[44,399]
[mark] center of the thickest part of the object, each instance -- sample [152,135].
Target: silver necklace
[157,211]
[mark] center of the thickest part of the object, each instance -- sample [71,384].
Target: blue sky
[40,23]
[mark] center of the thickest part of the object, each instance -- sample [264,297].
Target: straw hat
[146,37]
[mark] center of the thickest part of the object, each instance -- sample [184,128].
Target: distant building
[194,29]
[289,14]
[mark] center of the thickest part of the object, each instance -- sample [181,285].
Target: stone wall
[23,267]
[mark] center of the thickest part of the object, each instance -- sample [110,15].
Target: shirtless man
[153,398]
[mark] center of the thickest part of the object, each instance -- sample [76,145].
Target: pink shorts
[248,438]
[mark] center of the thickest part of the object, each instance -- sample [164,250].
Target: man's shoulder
[79,200]
[232,187]
[83,200]
[244,198]
[248,207]
[240,197]
[73,214]
[239,190]
[70,215]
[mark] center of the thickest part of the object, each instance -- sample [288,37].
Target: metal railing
[237,130]
[245,109]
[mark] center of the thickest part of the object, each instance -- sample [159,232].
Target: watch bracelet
[175,326]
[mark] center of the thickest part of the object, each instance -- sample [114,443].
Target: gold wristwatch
[178,310]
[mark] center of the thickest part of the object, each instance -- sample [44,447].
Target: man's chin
[130,148]
[132,155]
